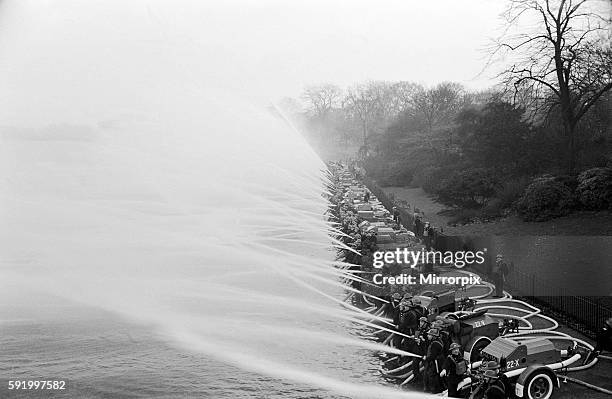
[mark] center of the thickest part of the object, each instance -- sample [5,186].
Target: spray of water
[131,182]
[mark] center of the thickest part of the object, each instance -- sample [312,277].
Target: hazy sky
[65,59]
[291,43]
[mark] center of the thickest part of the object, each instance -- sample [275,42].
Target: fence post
[599,315]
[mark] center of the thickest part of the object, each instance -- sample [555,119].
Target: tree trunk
[571,148]
[365,134]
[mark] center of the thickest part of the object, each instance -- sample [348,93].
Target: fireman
[402,320]
[455,369]
[419,347]
[444,335]
[422,329]
[416,306]
[604,341]
[407,322]
[604,338]
[432,359]
[395,308]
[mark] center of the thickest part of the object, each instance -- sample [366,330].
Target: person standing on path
[427,235]
[500,271]
[396,215]
[418,226]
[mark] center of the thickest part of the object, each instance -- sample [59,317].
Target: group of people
[440,363]
[428,339]
[430,235]
[442,359]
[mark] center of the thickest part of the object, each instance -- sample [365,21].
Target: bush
[465,216]
[493,208]
[569,181]
[510,192]
[388,172]
[468,188]
[545,198]
[396,175]
[594,190]
[429,178]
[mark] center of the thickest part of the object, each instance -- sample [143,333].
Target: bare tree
[440,103]
[395,97]
[320,103]
[364,103]
[564,63]
[321,99]
[404,95]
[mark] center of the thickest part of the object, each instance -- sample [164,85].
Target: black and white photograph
[305,199]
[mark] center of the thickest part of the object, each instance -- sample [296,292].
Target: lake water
[103,356]
[163,229]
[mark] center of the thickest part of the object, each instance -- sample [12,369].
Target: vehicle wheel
[539,386]
[478,346]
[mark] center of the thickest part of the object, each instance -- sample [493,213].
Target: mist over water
[151,208]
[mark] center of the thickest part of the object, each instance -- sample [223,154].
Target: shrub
[429,178]
[545,198]
[469,188]
[388,172]
[569,181]
[465,216]
[594,190]
[420,177]
[396,175]
[493,208]
[510,191]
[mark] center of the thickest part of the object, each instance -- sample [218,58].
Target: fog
[95,61]
[143,174]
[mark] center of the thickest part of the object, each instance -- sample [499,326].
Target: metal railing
[582,313]
[406,218]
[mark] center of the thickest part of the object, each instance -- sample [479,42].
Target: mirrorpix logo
[407,257]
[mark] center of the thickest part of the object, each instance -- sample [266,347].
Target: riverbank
[580,223]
